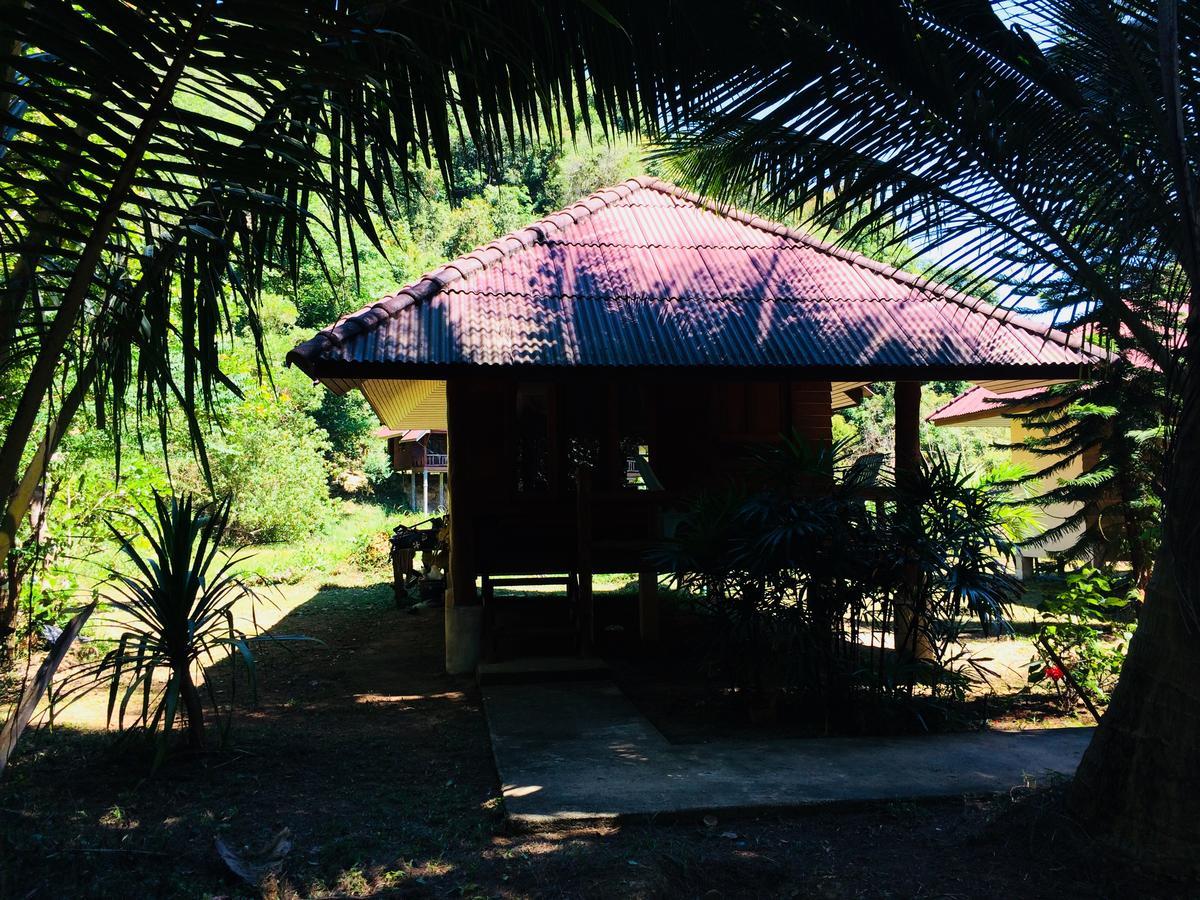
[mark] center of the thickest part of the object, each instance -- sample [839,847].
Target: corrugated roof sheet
[645,274]
[979,403]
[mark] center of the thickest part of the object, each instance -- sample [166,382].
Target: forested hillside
[283,445]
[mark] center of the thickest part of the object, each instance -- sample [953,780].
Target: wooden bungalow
[645,332]
[420,453]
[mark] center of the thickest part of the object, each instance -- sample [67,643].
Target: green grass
[346,541]
[355,538]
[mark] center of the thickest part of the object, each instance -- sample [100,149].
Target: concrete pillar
[464,615]
[1025,567]
[425,491]
[648,606]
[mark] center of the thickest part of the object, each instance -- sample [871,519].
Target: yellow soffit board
[840,393]
[404,403]
[1012,385]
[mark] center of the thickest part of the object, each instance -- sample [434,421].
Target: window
[533,438]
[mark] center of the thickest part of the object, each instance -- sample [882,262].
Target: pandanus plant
[174,601]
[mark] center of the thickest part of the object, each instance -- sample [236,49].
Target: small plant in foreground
[175,611]
[1082,642]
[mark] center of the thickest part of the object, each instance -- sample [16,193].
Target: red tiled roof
[978,403]
[646,274]
[406,435]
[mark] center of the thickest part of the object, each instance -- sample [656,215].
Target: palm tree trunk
[1140,777]
[189,695]
[1139,781]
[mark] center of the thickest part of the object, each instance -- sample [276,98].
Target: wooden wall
[696,429]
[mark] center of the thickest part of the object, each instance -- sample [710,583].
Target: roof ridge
[556,223]
[671,298]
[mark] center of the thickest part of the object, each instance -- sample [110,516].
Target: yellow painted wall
[1050,516]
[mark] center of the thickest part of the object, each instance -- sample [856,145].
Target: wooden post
[461,584]
[464,616]
[1026,564]
[908,431]
[582,454]
[648,606]
[909,629]
[583,520]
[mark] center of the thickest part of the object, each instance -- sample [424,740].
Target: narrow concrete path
[581,750]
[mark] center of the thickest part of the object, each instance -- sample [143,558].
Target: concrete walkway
[581,750]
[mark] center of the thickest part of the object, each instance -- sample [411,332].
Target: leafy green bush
[88,490]
[477,220]
[270,458]
[349,422]
[374,551]
[1084,637]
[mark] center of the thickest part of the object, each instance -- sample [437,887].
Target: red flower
[1054,673]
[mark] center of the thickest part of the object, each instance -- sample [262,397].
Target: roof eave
[319,369]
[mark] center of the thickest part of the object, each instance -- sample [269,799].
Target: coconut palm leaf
[972,136]
[1050,144]
[32,692]
[157,159]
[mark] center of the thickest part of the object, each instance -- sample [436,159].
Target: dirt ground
[379,765]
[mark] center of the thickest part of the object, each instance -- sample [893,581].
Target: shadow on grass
[380,766]
[377,762]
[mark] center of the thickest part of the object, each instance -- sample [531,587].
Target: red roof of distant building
[978,403]
[405,435]
[646,274]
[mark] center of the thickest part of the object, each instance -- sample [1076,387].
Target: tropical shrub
[957,529]
[804,572]
[174,601]
[88,490]
[350,424]
[269,456]
[1084,637]
[1117,426]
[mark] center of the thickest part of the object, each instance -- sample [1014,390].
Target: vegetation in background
[871,425]
[1117,425]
